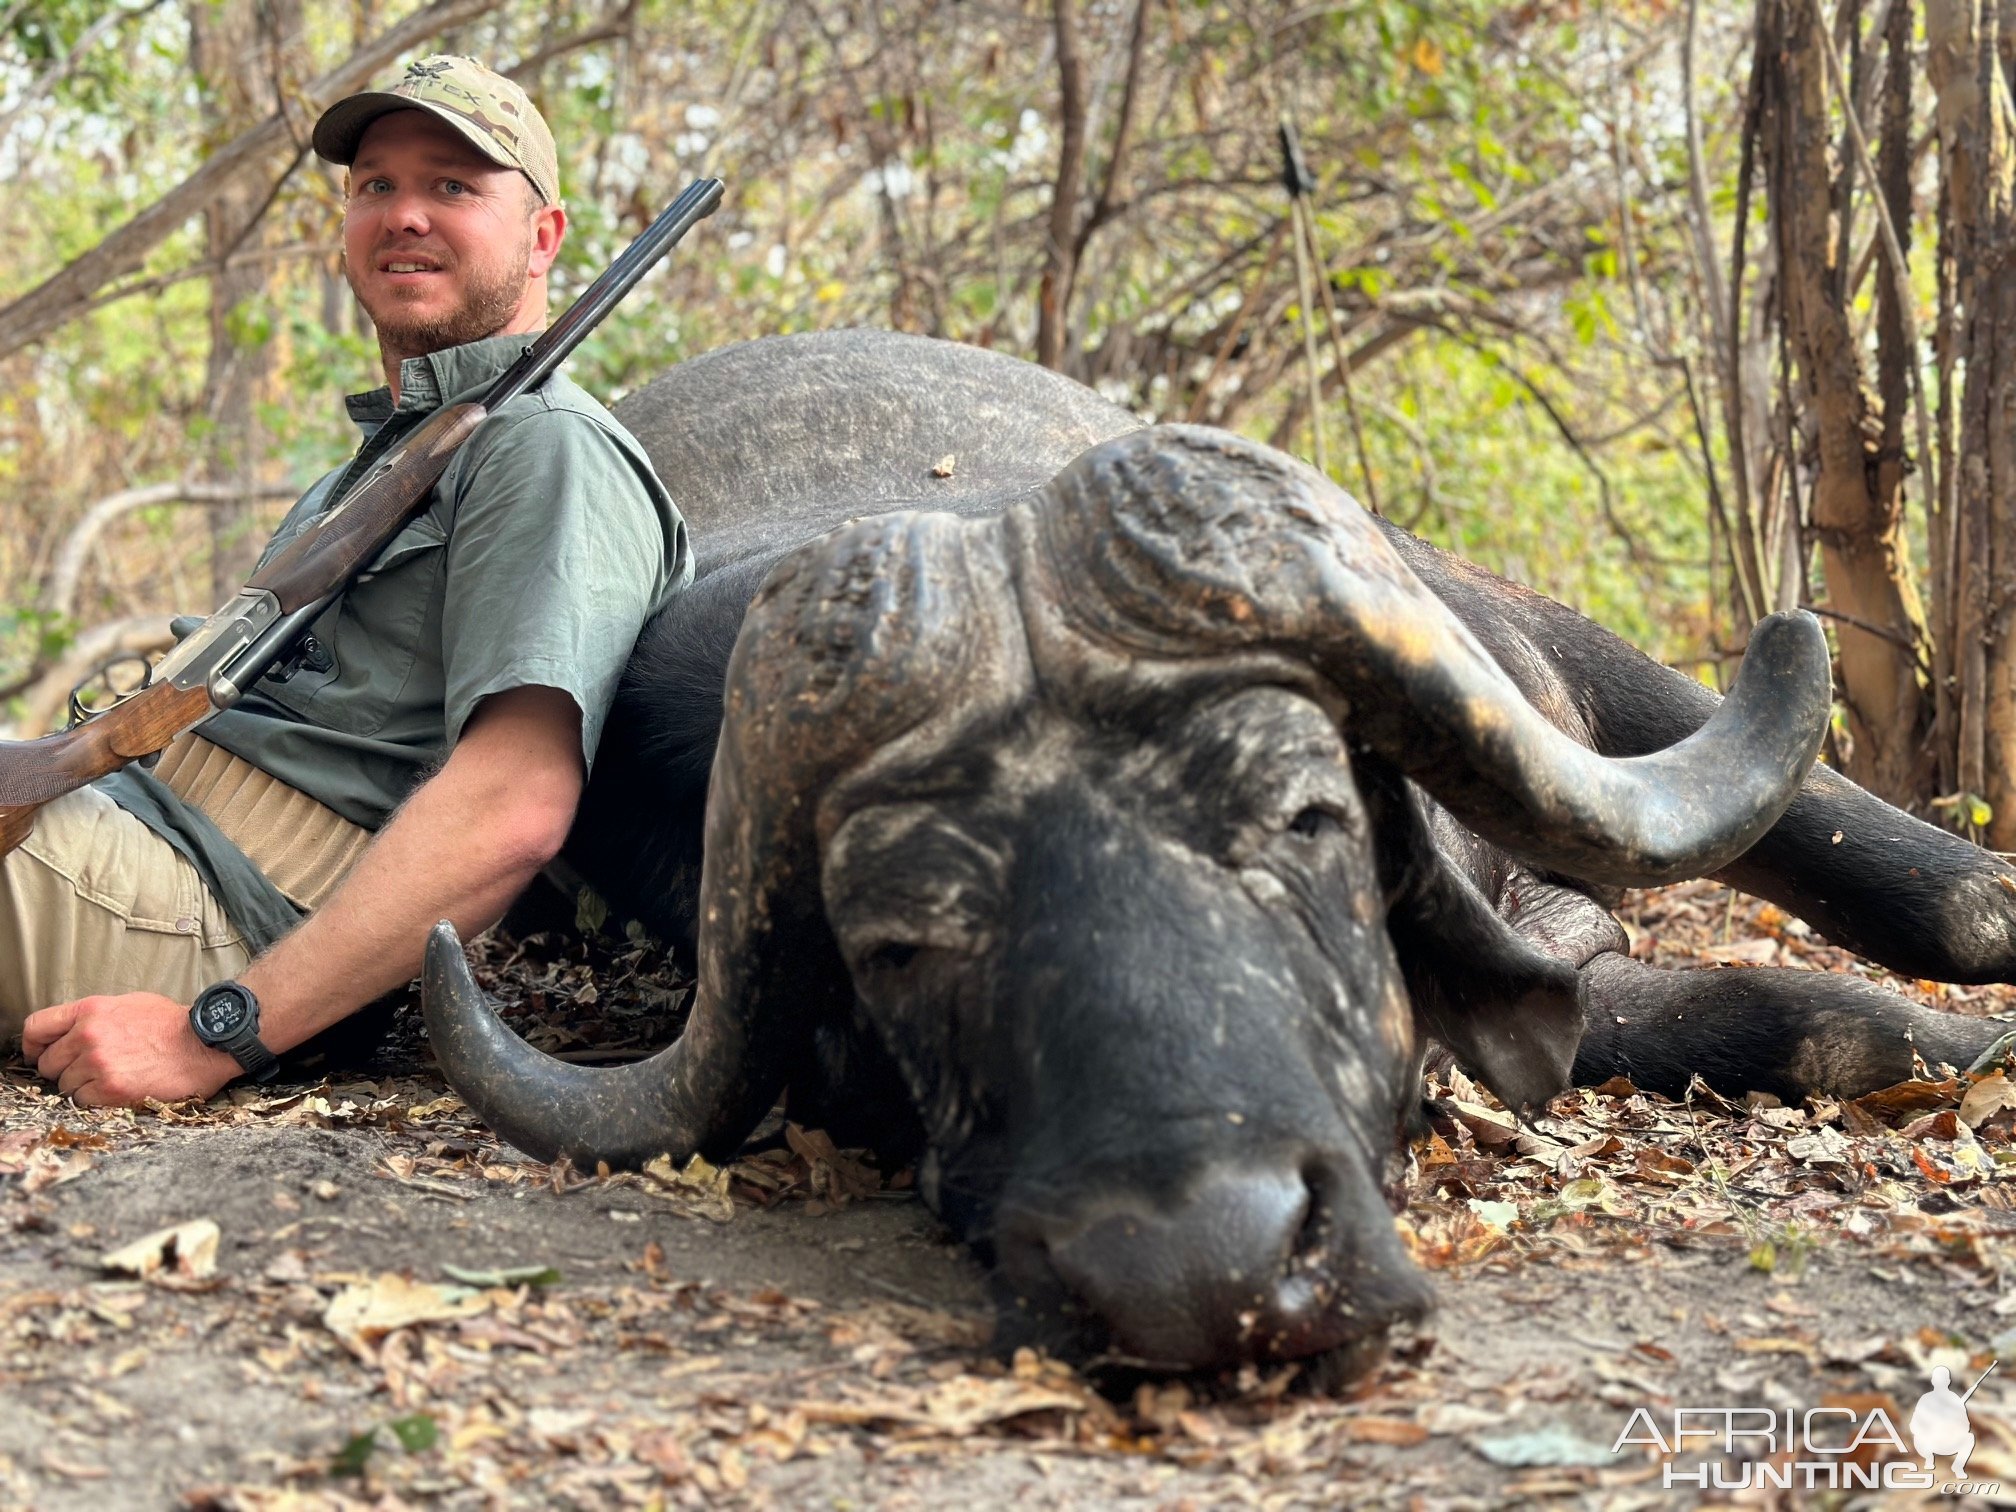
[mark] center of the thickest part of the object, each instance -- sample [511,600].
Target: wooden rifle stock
[32,772]
[212,667]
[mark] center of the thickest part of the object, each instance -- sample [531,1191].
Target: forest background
[1679,312]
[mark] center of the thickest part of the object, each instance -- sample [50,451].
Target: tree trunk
[1764,529]
[248,53]
[1974,550]
[1858,493]
[1060,264]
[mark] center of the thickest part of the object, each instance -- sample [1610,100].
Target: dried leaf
[46,1168]
[1824,1146]
[1457,1417]
[1486,1127]
[699,1184]
[360,1315]
[72,1469]
[1909,1097]
[1987,1097]
[1657,1165]
[188,1250]
[1945,1124]
[1385,1430]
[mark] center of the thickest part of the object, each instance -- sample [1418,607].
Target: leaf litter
[1619,1249]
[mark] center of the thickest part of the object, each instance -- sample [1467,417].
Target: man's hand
[464,845]
[116,1052]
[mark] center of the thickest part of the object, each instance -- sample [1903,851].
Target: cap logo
[492,111]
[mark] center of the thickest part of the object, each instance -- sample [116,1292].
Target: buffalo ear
[1510,1014]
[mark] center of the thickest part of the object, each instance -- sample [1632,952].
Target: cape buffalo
[1110,816]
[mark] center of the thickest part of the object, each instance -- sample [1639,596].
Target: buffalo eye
[1314,822]
[890,955]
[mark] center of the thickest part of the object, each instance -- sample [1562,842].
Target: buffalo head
[1094,818]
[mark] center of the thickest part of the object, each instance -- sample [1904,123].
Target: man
[422,757]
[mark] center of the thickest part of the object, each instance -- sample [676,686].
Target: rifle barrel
[695,203]
[1977,1385]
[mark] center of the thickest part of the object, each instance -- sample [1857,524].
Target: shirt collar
[425,383]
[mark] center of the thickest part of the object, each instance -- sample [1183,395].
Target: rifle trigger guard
[79,712]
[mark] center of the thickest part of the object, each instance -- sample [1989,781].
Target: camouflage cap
[496,116]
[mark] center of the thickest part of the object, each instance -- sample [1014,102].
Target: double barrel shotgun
[213,666]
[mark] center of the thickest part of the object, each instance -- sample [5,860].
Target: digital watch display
[226,1017]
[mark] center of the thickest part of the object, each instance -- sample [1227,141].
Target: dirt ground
[392,1310]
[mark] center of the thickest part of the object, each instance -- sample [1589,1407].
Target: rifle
[215,664]
[1977,1385]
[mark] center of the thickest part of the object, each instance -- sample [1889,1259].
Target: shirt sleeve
[563,543]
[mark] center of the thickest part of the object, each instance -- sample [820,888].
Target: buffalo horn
[1181,543]
[854,640]
[623,1115]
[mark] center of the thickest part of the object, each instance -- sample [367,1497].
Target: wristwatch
[226,1017]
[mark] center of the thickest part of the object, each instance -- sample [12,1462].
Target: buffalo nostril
[1251,1264]
[1197,1284]
[1312,1242]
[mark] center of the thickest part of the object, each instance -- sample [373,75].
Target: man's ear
[549,228]
[1511,1015]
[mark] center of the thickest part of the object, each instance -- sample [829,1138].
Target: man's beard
[487,304]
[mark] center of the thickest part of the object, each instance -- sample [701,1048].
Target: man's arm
[462,847]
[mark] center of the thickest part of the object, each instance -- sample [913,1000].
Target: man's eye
[454,187]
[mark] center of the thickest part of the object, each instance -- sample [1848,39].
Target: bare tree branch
[617,26]
[61,70]
[45,695]
[60,596]
[207,269]
[1060,261]
[1107,205]
[62,296]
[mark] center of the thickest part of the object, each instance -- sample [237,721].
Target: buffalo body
[1114,817]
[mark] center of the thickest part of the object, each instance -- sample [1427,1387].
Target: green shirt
[545,546]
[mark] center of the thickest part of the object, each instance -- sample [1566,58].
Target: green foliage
[1465,455]
[415,1433]
[899,173]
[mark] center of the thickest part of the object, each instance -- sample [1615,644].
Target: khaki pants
[95,902]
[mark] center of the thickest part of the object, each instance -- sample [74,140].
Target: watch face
[221,1012]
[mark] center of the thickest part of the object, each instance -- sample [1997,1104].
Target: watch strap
[245,1047]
